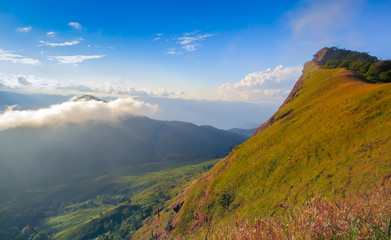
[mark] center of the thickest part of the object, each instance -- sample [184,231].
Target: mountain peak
[325,54]
[86,98]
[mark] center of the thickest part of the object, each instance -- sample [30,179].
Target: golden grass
[333,137]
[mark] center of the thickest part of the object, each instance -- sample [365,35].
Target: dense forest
[371,68]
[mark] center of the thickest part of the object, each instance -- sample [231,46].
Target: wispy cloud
[158,36]
[173,51]
[10,56]
[190,41]
[264,86]
[192,37]
[51,34]
[76,112]
[75,25]
[24,29]
[74,59]
[191,47]
[63,44]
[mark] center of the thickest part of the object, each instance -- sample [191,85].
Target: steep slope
[331,136]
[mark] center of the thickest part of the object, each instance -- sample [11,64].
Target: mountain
[45,168]
[86,98]
[330,138]
[74,150]
[245,132]
[221,114]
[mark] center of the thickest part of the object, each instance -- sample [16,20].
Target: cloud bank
[76,112]
[163,92]
[10,56]
[28,82]
[270,85]
[25,82]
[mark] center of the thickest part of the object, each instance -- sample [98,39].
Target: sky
[246,51]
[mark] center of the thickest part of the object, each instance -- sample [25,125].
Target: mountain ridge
[330,136]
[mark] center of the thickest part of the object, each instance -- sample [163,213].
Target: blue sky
[249,51]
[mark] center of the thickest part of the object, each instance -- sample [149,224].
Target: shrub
[226,199]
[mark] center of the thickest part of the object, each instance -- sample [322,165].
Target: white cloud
[24,29]
[75,25]
[112,89]
[32,83]
[10,56]
[173,51]
[189,42]
[67,43]
[190,37]
[269,85]
[74,59]
[163,92]
[51,34]
[77,88]
[76,112]
[24,81]
[191,47]
[320,19]
[158,36]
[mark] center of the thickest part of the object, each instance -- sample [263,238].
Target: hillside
[330,138]
[45,169]
[92,148]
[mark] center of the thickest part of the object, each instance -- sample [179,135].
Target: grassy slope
[333,137]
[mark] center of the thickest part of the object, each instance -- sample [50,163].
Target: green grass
[335,139]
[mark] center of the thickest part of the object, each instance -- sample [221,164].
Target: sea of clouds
[76,112]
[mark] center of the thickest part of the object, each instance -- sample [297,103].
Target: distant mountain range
[220,114]
[65,159]
[245,132]
[75,150]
